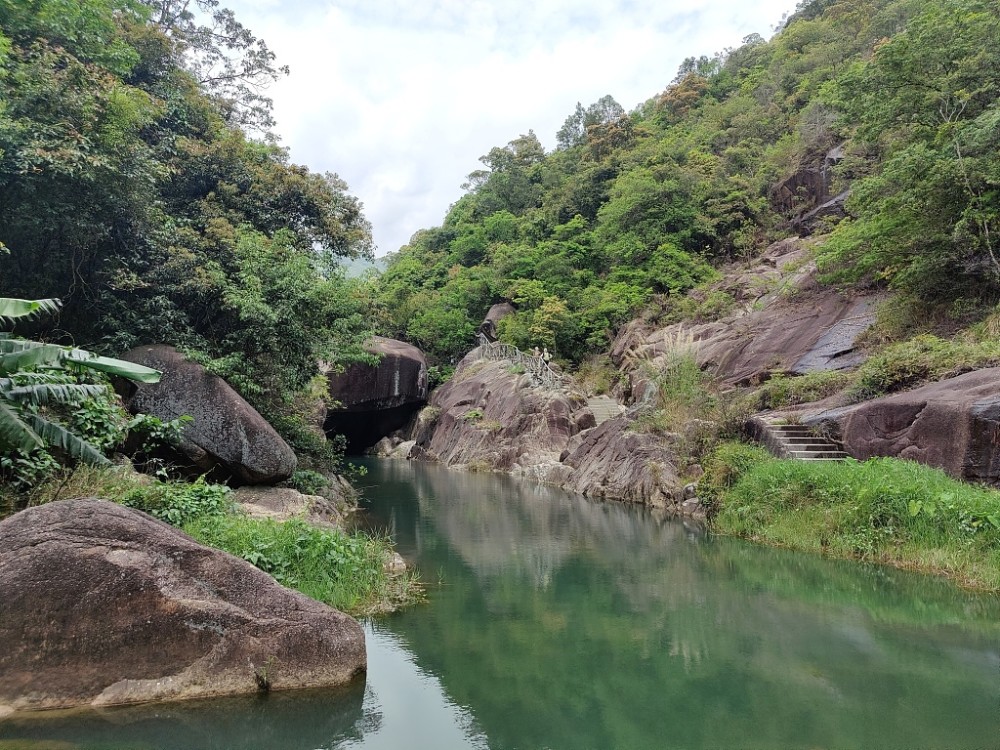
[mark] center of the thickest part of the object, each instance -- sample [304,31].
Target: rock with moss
[226,435]
[105,605]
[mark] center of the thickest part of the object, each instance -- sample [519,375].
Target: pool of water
[560,623]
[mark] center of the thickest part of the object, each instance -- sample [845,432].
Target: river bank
[556,621]
[884,510]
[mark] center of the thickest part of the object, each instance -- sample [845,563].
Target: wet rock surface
[106,605]
[784,322]
[226,436]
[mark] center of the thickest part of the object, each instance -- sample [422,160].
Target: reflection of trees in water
[597,625]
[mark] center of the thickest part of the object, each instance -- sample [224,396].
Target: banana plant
[33,375]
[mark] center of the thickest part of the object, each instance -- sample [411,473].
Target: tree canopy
[130,189]
[640,206]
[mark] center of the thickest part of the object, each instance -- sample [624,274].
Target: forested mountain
[632,209]
[130,189]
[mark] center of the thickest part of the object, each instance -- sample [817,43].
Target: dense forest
[139,185]
[633,209]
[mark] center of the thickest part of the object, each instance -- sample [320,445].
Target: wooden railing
[537,367]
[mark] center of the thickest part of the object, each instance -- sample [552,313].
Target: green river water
[558,623]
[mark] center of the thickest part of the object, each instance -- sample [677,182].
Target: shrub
[309,482]
[178,503]
[346,571]
[920,360]
[782,390]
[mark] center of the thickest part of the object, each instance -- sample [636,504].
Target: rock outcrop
[376,400]
[285,503]
[494,315]
[227,436]
[106,605]
[784,322]
[953,424]
[615,462]
[810,186]
[491,417]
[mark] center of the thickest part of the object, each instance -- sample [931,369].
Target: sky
[402,97]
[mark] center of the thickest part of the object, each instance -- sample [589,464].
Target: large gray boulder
[953,424]
[226,433]
[106,605]
[376,400]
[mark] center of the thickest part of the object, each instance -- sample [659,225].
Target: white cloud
[401,97]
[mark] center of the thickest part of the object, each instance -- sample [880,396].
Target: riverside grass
[883,510]
[344,570]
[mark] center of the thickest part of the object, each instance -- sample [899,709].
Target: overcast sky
[402,97]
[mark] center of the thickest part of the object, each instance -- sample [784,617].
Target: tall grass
[885,510]
[346,571]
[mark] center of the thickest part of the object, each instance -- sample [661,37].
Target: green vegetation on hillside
[131,188]
[138,185]
[632,209]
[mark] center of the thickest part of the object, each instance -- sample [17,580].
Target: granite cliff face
[490,417]
[781,321]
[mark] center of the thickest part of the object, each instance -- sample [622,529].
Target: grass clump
[920,360]
[346,571]
[885,510]
[782,390]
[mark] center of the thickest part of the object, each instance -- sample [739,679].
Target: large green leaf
[57,436]
[11,308]
[53,393]
[14,433]
[112,366]
[23,358]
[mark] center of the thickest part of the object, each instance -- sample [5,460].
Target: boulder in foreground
[105,605]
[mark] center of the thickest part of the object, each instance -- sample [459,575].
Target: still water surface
[559,623]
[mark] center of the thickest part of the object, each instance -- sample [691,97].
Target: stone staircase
[604,408]
[797,441]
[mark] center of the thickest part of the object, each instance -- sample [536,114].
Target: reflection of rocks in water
[649,630]
[502,526]
[291,720]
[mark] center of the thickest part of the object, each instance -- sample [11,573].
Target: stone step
[831,454]
[811,447]
[788,429]
[604,408]
[805,439]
